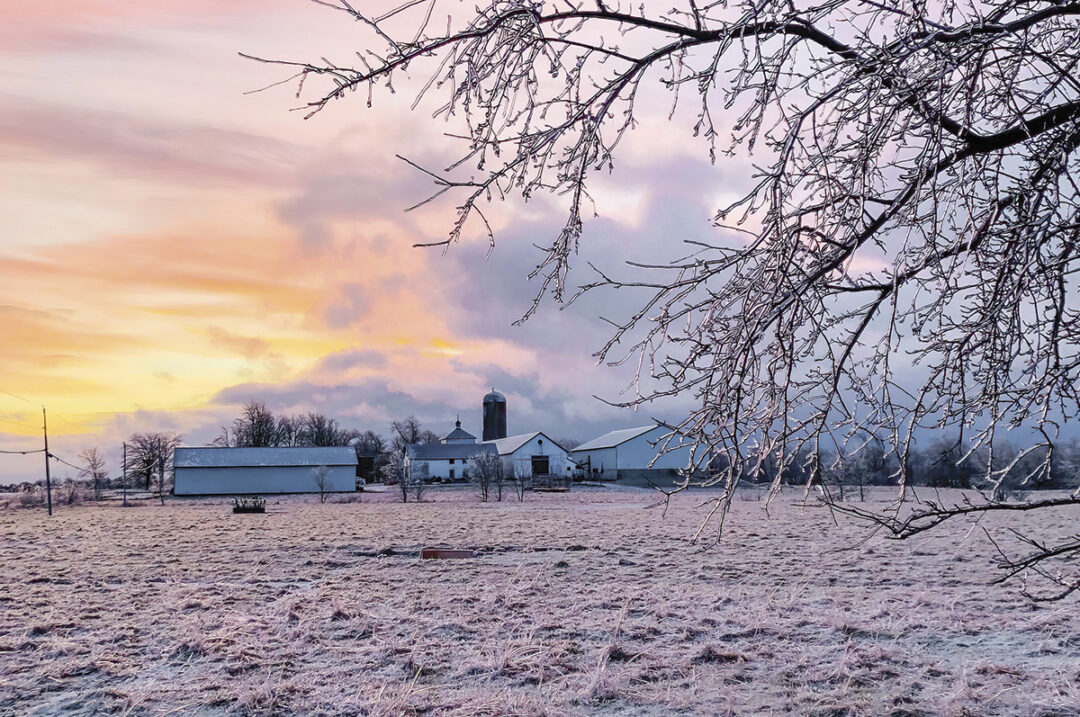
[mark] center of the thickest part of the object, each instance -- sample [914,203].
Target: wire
[54,414]
[24,453]
[58,458]
[13,395]
[17,423]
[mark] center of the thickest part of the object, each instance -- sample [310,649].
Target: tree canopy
[903,260]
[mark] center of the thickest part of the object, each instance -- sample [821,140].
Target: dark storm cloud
[492,291]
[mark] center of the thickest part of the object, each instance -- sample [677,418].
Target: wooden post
[123,476]
[48,479]
[161,479]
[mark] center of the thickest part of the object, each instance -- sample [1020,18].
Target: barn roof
[510,444]
[614,438]
[459,434]
[446,451]
[299,456]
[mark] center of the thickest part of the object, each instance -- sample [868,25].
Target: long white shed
[246,471]
[634,455]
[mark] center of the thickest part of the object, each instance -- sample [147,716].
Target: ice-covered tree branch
[904,261]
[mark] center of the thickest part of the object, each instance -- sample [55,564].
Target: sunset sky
[173,247]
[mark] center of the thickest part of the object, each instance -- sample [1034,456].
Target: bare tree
[321,476]
[405,432]
[393,473]
[370,443]
[321,430]
[289,431]
[161,480]
[416,478]
[71,492]
[916,193]
[520,474]
[255,427]
[151,454]
[93,470]
[505,472]
[568,444]
[486,470]
[258,425]
[429,436]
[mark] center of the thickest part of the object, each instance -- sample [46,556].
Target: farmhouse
[532,454]
[240,471]
[633,455]
[445,460]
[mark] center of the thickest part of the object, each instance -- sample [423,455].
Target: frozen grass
[581,603]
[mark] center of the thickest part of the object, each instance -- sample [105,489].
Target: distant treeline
[943,464]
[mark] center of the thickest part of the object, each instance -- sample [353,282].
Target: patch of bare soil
[581,603]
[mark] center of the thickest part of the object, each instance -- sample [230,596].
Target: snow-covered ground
[581,603]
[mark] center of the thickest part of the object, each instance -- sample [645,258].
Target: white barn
[532,454]
[446,460]
[243,471]
[633,455]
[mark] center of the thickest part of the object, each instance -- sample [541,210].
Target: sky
[172,246]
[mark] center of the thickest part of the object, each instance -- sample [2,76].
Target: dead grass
[585,603]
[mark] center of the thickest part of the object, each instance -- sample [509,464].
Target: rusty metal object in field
[445,554]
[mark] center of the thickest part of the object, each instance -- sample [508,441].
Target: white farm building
[242,471]
[447,460]
[634,455]
[532,454]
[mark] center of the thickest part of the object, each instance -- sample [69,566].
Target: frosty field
[586,603]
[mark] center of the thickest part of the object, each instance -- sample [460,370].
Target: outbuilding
[447,460]
[258,471]
[633,455]
[532,454]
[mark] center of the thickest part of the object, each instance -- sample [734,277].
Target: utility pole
[123,476]
[48,480]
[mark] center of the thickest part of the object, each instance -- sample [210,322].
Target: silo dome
[494,416]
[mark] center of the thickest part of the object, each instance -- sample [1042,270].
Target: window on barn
[451,471]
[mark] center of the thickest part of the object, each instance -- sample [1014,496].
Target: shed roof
[510,444]
[446,451]
[614,438]
[277,456]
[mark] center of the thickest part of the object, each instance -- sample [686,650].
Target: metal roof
[510,444]
[446,451]
[494,396]
[459,434]
[299,456]
[614,438]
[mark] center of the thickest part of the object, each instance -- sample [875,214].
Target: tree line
[944,463]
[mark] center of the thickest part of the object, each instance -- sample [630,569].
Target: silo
[494,416]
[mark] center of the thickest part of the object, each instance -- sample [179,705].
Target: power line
[13,395]
[24,453]
[58,458]
[18,423]
[57,415]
